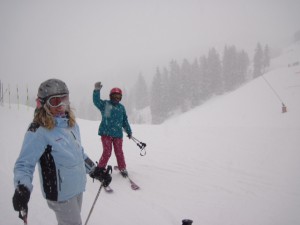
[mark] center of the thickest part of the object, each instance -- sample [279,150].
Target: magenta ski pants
[108,143]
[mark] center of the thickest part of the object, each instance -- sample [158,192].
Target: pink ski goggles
[58,100]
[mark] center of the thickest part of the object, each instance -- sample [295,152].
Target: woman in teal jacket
[114,120]
[53,143]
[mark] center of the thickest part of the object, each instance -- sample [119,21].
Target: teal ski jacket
[114,117]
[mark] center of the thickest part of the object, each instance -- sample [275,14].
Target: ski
[133,185]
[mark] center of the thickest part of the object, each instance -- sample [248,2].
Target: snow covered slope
[234,160]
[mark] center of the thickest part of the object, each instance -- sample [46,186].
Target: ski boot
[124,173]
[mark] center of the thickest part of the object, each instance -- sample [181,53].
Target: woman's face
[56,111]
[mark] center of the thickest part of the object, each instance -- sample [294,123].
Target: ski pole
[108,171]
[94,204]
[141,145]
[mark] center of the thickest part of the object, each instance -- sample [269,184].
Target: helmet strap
[40,102]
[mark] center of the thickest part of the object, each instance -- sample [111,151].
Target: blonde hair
[44,118]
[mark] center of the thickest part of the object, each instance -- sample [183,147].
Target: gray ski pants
[67,212]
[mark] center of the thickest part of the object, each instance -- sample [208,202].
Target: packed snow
[235,160]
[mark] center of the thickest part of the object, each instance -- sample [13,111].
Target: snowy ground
[233,161]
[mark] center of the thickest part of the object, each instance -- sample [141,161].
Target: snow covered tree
[203,79]
[258,61]
[167,95]
[183,87]
[243,63]
[214,70]
[141,93]
[229,67]
[195,81]
[129,102]
[175,85]
[235,67]
[266,58]
[186,85]
[158,99]
[126,101]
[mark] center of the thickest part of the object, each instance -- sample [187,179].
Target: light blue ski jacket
[61,160]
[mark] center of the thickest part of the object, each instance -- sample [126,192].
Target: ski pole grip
[23,214]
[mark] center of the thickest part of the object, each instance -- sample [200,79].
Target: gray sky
[113,41]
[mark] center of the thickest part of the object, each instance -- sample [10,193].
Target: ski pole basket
[141,145]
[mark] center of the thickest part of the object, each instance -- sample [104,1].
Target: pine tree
[229,67]
[185,85]
[204,80]
[157,99]
[174,85]
[214,72]
[258,61]
[167,95]
[266,58]
[141,93]
[126,101]
[243,63]
[195,81]
[182,88]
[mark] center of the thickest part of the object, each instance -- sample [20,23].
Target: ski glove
[21,198]
[102,175]
[129,136]
[98,86]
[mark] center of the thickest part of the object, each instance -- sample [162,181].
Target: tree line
[183,86]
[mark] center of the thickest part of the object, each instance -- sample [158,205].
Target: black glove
[102,175]
[129,136]
[98,86]
[21,198]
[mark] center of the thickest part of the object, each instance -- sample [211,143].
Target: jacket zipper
[59,180]
[73,135]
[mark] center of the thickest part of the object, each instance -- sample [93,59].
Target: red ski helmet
[115,91]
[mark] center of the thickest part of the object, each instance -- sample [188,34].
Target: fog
[82,42]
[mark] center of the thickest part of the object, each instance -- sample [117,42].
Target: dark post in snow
[187,222]
[284,109]
[1,92]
